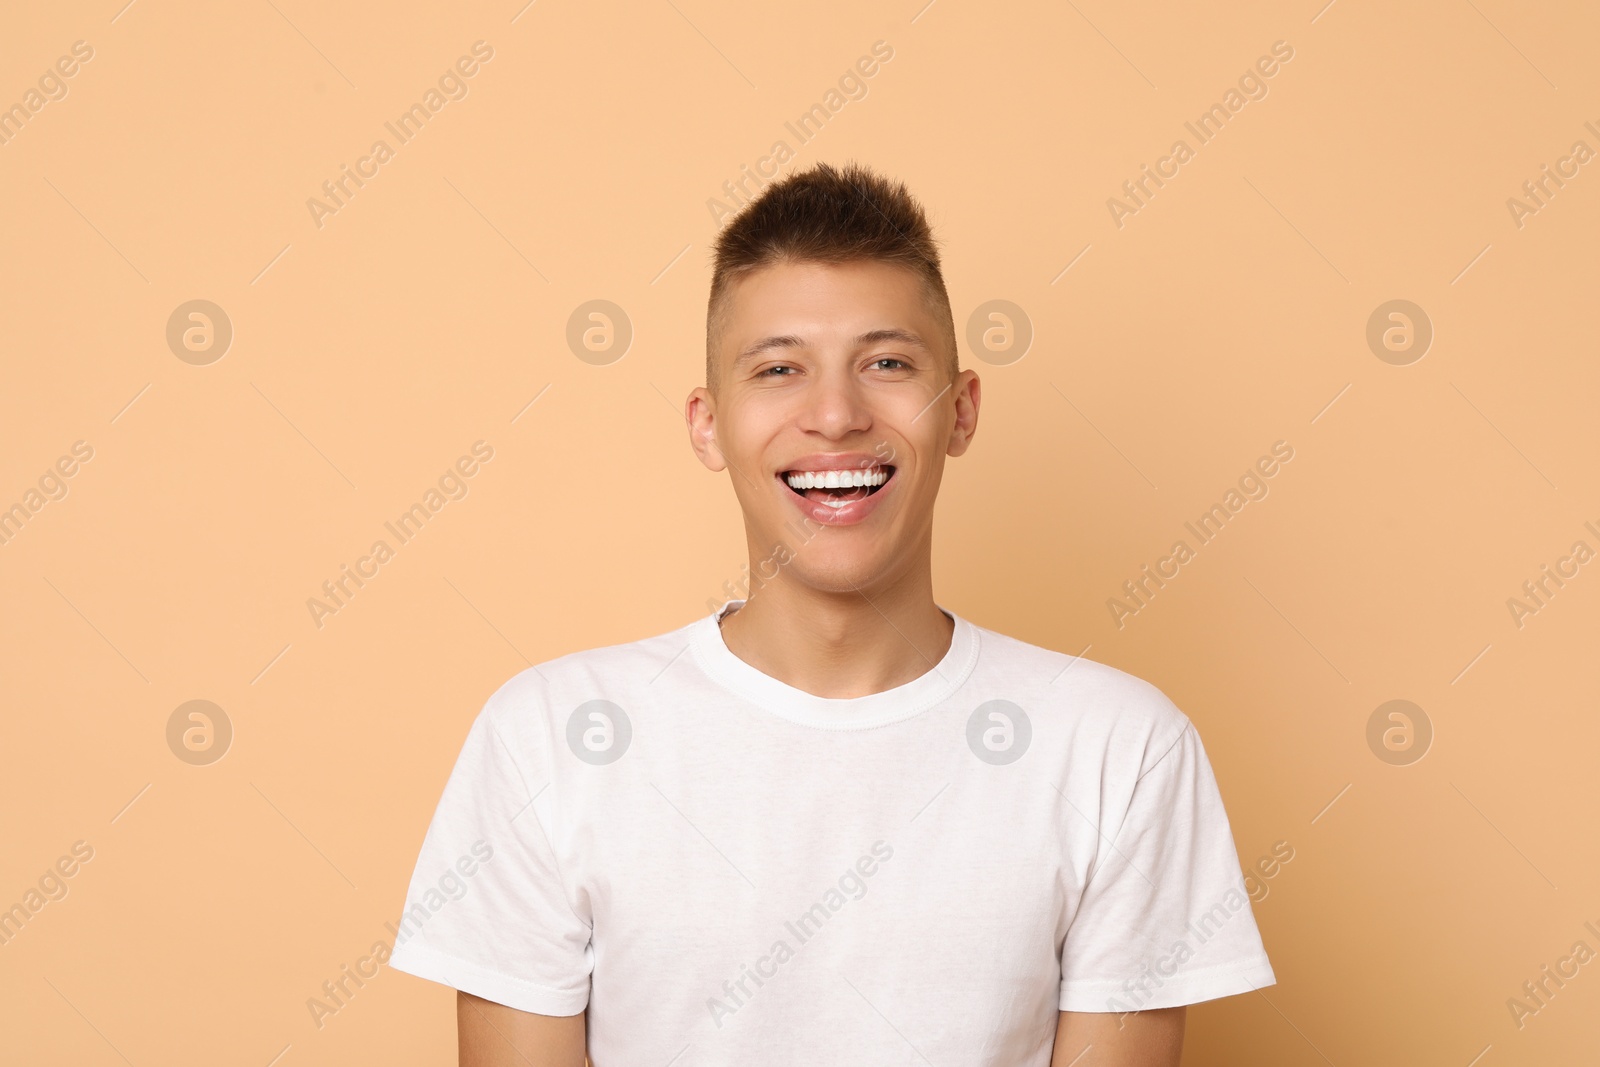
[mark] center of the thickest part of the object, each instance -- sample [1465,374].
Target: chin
[836,572]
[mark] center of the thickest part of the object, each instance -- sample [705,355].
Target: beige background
[368,354]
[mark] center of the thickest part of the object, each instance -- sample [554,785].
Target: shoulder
[1091,704]
[539,698]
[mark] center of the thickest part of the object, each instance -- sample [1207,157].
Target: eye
[890,359]
[779,366]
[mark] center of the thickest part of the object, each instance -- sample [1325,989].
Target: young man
[833,822]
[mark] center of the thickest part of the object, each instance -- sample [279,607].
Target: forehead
[823,299]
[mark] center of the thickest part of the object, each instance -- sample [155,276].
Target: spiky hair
[828,215]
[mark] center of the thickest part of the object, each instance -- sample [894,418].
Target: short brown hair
[828,215]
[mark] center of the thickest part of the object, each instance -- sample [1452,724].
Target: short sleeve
[1165,918]
[487,911]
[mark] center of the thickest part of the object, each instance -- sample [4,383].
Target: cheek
[928,473]
[752,451]
[918,439]
[741,438]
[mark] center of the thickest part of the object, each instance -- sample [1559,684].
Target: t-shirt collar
[846,713]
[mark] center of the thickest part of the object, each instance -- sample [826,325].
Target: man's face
[833,374]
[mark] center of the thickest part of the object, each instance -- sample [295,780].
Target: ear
[968,393]
[699,414]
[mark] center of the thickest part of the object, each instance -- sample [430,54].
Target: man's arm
[493,1035]
[1152,1038]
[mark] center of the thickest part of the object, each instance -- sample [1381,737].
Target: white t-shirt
[726,870]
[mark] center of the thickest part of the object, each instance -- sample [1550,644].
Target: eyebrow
[871,337]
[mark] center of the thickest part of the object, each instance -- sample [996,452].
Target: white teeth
[837,479]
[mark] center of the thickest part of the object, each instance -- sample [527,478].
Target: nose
[834,405]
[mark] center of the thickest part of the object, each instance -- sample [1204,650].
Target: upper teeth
[841,479]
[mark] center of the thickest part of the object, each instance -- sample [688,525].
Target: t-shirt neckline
[834,713]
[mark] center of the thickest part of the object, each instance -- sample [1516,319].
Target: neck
[841,645]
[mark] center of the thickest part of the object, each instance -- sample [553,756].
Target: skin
[851,609]
[1152,1038]
[493,1035]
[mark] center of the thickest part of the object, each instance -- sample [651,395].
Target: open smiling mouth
[836,488]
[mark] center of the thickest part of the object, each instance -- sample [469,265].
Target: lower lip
[846,514]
